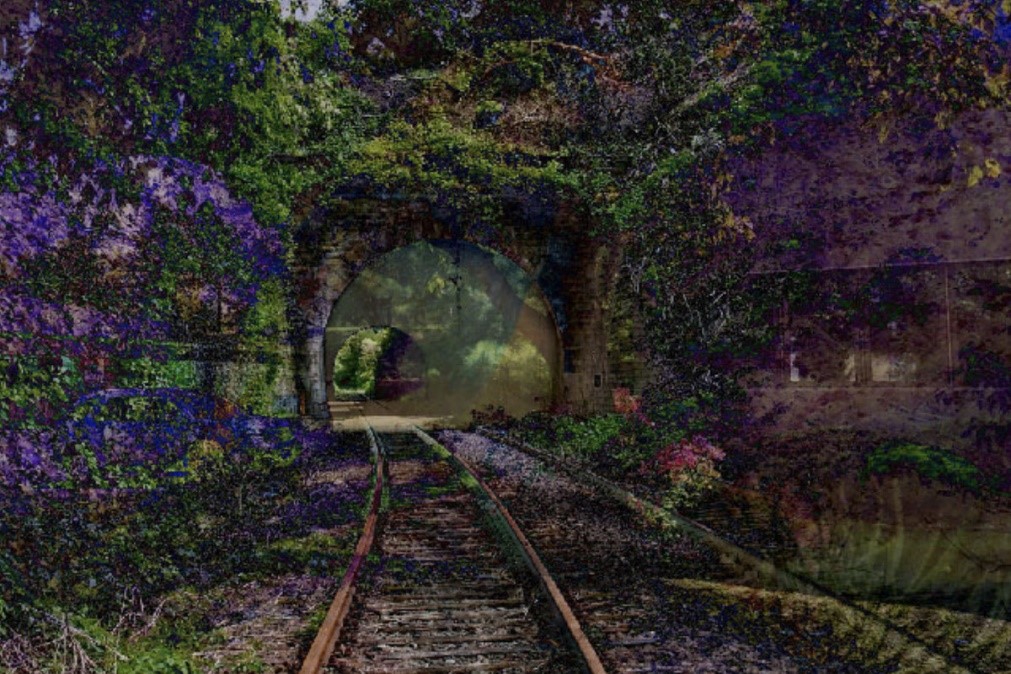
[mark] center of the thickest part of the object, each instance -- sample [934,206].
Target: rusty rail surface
[572,625]
[439,621]
[330,631]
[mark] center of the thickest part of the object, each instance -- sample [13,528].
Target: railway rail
[459,582]
[452,584]
[686,599]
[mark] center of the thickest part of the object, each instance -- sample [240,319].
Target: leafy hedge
[932,463]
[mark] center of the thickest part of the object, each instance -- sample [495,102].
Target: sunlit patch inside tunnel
[378,364]
[443,328]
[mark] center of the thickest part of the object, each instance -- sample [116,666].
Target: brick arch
[541,330]
[336,244]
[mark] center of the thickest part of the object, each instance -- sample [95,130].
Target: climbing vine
[157,158]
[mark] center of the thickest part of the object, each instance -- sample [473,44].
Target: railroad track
[448,584]
[684,600]
[446,590]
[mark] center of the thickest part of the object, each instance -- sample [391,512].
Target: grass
[315,550]
[151,577]
[931,463]
[851,635]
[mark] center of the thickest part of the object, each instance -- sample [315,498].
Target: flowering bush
[629,406]
[103,447]
[105,265]
[127,237]
[109,553]
[624,402]
[688,470]
[27,459]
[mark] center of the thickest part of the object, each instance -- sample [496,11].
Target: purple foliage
[87,217]
[29,457]
[30,226]
[34,224]
[172,182]
[24,314]
[312,441]
[99,448]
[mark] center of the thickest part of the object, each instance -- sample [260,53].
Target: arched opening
[379,363]
[457,327]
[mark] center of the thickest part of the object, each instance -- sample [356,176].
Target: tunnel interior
[378,363]
[443,328]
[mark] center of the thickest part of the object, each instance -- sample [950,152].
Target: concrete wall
[851,198]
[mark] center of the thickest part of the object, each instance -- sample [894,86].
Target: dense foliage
[355,368]
[632,115]
[128,257]
[666,458]
[157,157]
[930,463]
[93,570]
[629,114]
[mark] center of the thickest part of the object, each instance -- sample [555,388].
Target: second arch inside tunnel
[443,328]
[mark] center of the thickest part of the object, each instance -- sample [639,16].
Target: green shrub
[33,388]
[356,361]
[147,372]
[928,462]
[160,660]
[585,437]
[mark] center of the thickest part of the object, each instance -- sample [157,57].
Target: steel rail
[785,579]
[572,624]
[329,632]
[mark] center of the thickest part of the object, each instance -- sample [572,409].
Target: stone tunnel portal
[472,328]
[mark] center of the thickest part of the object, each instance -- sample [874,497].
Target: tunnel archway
[479,323]
[377,363]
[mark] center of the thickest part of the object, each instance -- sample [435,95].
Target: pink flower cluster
[684,455]
[630,406]
[624,402]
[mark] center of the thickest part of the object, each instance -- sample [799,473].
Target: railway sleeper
[505,666]
[415,637]
[442,598]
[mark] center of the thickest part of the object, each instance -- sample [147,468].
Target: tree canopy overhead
[464,95]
